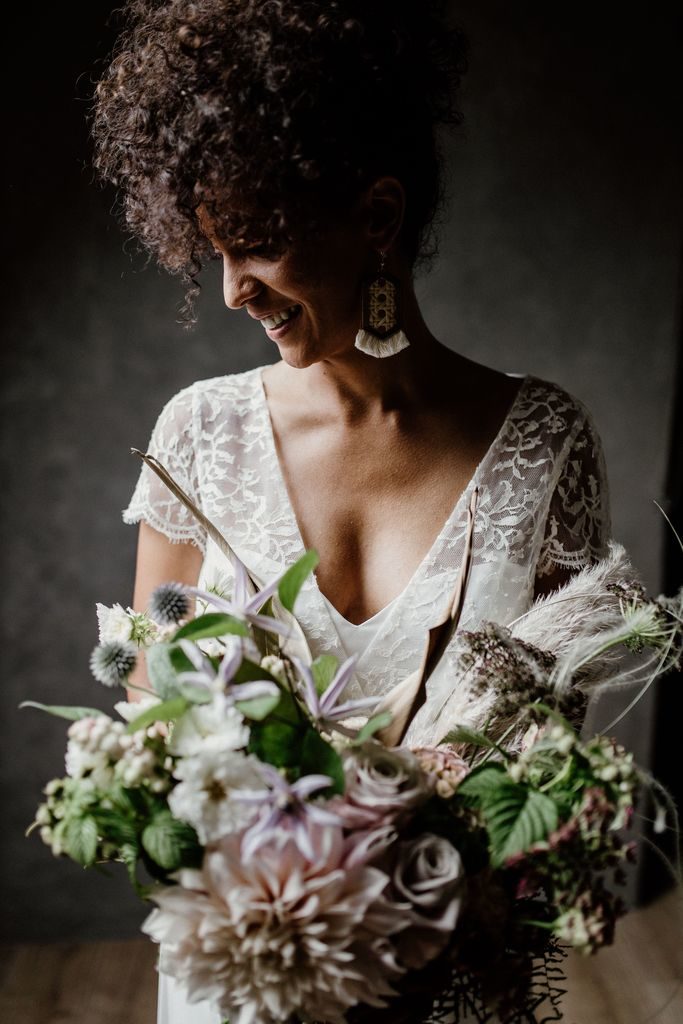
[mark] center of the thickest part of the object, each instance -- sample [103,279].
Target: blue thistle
[112,663]
[169,604]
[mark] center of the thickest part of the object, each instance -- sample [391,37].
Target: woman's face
[308,299]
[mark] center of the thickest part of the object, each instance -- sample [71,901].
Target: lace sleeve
[173,444]
[578,524]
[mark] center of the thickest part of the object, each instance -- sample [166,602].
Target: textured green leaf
[484,783]
[323,670]
[164,712]
[373,725]
[169,842]
[258,708]
[68,711]
[211,624]
[293,580]
[516,820]
[161,671]
[318,757]
[278,743]
[80,836]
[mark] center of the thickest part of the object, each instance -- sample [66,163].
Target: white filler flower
[114,624]
[202,797]
[214,726]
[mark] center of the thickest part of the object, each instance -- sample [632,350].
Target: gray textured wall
[559,257]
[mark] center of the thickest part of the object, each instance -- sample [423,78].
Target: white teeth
[278,318]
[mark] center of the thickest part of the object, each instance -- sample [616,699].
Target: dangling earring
[380,333]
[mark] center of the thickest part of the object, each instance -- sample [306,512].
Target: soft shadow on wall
[558,257]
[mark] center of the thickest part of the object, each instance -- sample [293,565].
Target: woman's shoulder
[228,394]
[552,407]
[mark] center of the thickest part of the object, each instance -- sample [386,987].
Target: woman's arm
[159,561]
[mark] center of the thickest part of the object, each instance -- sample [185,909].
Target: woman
[298,142]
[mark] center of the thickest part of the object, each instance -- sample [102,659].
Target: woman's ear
[383,209]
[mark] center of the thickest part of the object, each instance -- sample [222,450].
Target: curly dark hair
[275,115]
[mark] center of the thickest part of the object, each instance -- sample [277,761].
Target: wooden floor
[637,981]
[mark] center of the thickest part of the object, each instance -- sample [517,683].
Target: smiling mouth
[277,320]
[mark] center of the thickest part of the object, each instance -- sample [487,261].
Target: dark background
[560,257]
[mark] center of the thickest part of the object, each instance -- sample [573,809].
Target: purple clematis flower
[243,607]
[216,681]
[323,708]
[284,807]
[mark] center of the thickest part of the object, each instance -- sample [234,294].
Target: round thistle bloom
[112,663]
[169,604]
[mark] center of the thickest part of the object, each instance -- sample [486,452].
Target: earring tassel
[380,348]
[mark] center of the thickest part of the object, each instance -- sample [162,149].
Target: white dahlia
[279,935]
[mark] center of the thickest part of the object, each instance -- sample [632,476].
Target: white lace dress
[542,503]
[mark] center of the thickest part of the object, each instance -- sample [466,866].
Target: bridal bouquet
[306,868]
[305,864]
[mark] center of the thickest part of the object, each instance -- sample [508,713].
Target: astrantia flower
[381,784]
[112,663]
[169,604]
[203,797]
[448,768]
[278,936]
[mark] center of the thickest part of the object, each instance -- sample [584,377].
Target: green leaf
[194,693]
[250,672]
[323,670]
[317,756]
[278,743]
[169,842]
[80,837]
[258,708]
[73,713]
[164,712]
[161,671]
[516,819]
[128,854]
[373,725]
[463,734]
[293,580]
[211,624]
[179,660]
[483,784]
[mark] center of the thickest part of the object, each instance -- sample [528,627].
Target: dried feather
[297,641]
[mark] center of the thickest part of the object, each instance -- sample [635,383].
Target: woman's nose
[239,285]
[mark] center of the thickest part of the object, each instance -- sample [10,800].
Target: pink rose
[381,784]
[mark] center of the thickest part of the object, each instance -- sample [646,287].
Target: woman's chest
[372,503]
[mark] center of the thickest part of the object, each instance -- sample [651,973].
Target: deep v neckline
[287,505]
